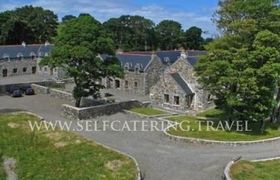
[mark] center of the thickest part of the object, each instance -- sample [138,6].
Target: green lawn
[196,130]
[268,170]
[212,113]
[58,154]
[148,111]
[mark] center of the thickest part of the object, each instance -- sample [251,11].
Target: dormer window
[33,55]
[126,66]
[20,56]
[137,67]
[166,60]
[6,57]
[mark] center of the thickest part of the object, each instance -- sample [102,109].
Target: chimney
[184,54]
[47,43]
[23,44]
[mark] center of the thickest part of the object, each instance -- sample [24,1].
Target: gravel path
[159,158]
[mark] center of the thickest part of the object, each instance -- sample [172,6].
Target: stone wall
[153,73]
[75,113]
[22,67]
[135,81]
[167,85]
[40,89]
[56,93]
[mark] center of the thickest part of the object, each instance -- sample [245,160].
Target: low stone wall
[40,89]
[56,93]
[75,113]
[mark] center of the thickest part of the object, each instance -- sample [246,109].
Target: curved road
[159,157]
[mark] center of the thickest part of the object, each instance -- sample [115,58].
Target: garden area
[57,154]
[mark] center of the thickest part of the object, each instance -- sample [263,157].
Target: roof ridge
[129,54]
[19,45]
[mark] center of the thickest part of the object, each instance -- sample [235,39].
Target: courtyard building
[178,87]
[24,59]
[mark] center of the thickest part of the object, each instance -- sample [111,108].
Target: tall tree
[193,38]
[67,18]
[29,24]
[131,32]
[170,34]
[77,46]
[242,68]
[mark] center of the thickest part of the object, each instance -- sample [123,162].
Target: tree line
[37,25]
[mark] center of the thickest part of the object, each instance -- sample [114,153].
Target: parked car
[16,93]
[24,87]
[12,88]
[29,91]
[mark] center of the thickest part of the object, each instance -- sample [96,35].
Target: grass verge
[58,154]
[255,170]
[212,113]
[148,111]
[213,130]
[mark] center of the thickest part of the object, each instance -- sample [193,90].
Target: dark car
[29,91]
[24,87]
[12,88]
[16,93]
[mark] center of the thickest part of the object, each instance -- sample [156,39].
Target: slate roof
[13,51]
[132,61]
[168,57]
[182,83]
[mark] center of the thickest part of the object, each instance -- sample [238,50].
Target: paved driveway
[159,157]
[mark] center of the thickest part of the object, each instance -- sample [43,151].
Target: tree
[131,32]
[193,38]
[170,34]
[242,68]
[77,46]
[29,24]
[67,18]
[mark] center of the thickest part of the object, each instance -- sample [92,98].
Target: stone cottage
[178,88]
[142,71]
[24,59]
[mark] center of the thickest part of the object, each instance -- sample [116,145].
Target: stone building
[142,71]
[24,60]
[178,87]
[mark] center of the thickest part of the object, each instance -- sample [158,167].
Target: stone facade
[18,67]
[24,59]
[167,93]
[135,81]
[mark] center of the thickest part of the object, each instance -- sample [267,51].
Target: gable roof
[168,57]
[182,83]
[132,61]
[13,51]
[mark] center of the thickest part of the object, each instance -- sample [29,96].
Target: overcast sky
[187,12]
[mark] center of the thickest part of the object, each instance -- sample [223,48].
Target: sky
[187,12]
